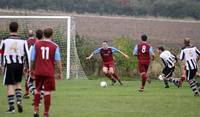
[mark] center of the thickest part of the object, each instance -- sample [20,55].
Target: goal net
[64,35]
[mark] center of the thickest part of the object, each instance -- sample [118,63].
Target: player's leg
[114,74]
[26,95]
[107,74]
[36,102]
[38,83]
[9,82]
[31,86]
[11,98]
[143,74]
[18,94]
[183,76]
[18,91]
[146,71]
[192,82]
[49,86]
[165,74]
[47,102]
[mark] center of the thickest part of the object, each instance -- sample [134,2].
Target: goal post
[64,35]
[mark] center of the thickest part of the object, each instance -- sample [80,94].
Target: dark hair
[187,41]
[39,34]
[161,48]
[105,41]
[48,32]
[13,27]
[144,37]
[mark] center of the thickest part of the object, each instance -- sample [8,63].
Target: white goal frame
[69,20]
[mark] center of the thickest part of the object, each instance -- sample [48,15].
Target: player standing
[106,53]
[143,51]
[189,54]
[15,50]
[45,54]
[169,60]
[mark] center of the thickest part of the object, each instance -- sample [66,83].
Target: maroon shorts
[143,67]
[109,65]
[45,82]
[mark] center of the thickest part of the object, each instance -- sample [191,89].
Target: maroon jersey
[31,41]
[45,58]
[144,53]
[107,55]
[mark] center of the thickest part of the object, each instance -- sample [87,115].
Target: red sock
[36,102]
[116,76]
[109,76]
[47,103]
[182,79]
[144,78]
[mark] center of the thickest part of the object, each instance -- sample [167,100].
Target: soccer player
[189,55]
[31,41]
[15,50]
[143,51]
[44,56]
[169,60]
[106,53]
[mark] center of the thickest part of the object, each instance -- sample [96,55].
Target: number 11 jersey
[44,54]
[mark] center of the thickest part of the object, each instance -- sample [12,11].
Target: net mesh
[61,32]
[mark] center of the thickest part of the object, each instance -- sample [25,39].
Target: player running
[169,60]
[189,54]
[45,54]
[144,52]
[106,53]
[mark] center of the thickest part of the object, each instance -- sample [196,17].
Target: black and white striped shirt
[168,59]
[190,54]
[15,50]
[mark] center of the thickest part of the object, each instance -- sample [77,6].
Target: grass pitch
[85,98]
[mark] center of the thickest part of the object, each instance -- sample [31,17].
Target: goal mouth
[64,35]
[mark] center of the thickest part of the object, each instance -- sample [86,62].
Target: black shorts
[190,74]
[13,74]
[168,72]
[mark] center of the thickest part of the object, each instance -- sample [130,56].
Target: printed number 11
[45,53]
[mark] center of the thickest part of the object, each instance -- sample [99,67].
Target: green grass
[85,98]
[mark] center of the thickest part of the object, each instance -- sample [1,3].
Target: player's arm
[151,51]
[1,55]
[32,63]
[117,50]
[135,50]
[58,63]
[27,57]
[198,53]
[97,51]
[182,55]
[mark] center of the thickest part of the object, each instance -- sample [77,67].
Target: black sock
[11,101]
[31,87]
[193,86]
[166,83]
[18,94]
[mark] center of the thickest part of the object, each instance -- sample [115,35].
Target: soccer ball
[103,84]
[160,77]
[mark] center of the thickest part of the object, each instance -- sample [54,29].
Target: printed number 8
[144,49]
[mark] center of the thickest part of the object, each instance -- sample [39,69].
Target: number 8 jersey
[44,54]
[143,51]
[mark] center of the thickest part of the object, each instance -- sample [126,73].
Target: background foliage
[166,8]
